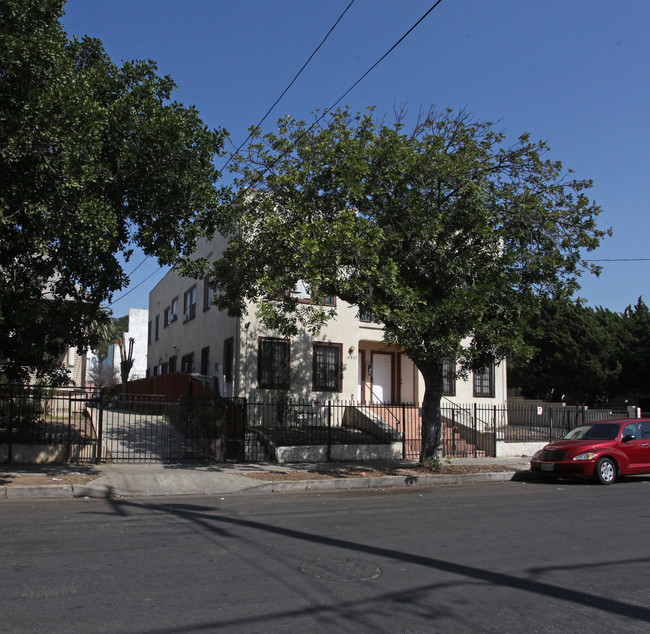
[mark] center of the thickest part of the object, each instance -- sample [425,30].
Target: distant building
[138,318]
[75,364]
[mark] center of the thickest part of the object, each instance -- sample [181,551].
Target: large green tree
[635,351]
[446,233]
[578,354]
[95,159]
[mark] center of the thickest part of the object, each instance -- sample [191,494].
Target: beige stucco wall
[208,328]
[344,329]
[360,342]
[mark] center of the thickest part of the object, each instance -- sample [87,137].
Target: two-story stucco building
[347,361]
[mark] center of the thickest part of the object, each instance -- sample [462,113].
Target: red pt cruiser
[604,451]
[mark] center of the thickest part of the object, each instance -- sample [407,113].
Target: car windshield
[594,432]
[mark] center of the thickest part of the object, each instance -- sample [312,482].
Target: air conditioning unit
[186,317]
[174,317]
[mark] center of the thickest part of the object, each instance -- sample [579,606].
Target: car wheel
[605,471]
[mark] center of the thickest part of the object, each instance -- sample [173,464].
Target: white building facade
[138,330]
[348,361]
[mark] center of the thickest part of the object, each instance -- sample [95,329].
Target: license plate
[547,466]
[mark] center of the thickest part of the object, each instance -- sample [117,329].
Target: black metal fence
[337,430]
[152,428]
[45,425]
[288,430]
[78,425]
[549,421]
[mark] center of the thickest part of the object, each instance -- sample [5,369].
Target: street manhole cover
[341,569]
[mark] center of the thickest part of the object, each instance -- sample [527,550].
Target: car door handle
[645,444]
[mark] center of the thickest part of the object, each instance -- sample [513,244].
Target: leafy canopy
[586,355]
[446,233]
[95,159]
[578,355]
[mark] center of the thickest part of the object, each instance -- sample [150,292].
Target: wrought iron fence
[272,427]
[272,430]
[55,425]
[46,424]
[46,420]
[549,421]
[467,430]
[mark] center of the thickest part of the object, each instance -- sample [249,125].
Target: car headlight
[537,455]
[589,455]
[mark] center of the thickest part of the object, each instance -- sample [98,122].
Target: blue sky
[575,73]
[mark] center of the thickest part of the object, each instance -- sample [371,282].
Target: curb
[100,493]
[19,492]
[383,482]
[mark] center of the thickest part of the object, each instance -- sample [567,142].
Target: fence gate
[467,431]
[81,437]
[148,428]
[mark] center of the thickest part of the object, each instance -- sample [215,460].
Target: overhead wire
[146,257]
[324,114]
[383,57]
[284,92]
[352,87]
[136,286]
[259,123]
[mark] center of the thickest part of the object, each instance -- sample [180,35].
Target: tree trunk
[126,361]
[431,412]
[125,369]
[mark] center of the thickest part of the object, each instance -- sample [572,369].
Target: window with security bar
[327,372]
[448,379]
[484,382]
[273,363]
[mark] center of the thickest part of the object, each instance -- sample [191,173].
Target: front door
[407,384]
[382,373]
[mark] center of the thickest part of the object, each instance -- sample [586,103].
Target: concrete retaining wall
[34,454]
[318,453]
[517,449]
[46,454]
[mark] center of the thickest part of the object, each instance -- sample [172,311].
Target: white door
[361,387]
[406,392]
[381,378]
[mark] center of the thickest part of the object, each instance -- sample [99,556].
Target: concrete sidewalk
[129,480]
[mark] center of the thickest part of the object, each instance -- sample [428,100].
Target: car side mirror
[628,437]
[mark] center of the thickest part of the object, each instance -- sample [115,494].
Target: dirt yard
[38,475]
[369,472]
[45,475]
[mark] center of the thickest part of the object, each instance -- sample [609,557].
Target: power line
[268,112]
[136,286]
[620,260]
[284,92]
[354,85]
[146,257]
[383,57]
[325,112]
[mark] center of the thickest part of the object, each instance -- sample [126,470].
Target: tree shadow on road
[212,520]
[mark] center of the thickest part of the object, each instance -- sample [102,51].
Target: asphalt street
[493,557]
